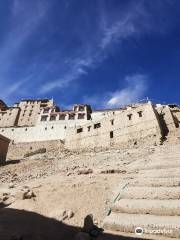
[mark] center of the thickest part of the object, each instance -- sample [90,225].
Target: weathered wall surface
[30,110]
[131,125]
[4,143]
[176,115]
[18,150]
[36,133]
[128,126]
[167,120]
[9,117]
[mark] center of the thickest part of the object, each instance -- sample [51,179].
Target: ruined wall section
[4,143]
[19,150]
[176,115]
[166,118]
[9,116]
[127,127]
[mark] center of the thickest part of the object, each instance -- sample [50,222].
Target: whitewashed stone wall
[33,134]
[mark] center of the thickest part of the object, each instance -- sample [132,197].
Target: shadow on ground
[23,225]
[8,162]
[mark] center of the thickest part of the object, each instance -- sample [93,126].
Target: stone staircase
[149,197]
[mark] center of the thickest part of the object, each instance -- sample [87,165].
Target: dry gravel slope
[84,183]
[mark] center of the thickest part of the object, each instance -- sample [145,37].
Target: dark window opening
[140,113]
[129,116]
[89,128]
[43,105]
[44,101]
[62,117]
[46,110]
[89,117]
[71,116]
[44,118]
[97,125]
[79,130]
[80,116]
[81,108]
[53,118]
[111,134]
[112,122]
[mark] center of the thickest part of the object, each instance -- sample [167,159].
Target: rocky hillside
[49,195]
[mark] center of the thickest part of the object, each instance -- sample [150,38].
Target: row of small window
[130,115]
[97,125]
[27,129]
[53,127]
[11,130]
[32,106]
[79,108]
[30,114]
[62,117]
[24,120]
[3,113]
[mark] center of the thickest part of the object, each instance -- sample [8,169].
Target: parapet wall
[128,126]
[36,133]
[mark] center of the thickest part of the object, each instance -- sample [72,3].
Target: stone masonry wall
[4,143]
[128,126]
[18,150]
[166,120]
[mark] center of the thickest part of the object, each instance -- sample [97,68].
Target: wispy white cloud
[111,30]
[25,19]
[24,23]
[74,73]
[120,30]
[135,89]
[92,54]
[17,88]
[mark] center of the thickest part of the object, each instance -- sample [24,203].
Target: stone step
[144,206]
[155,182]
[163,165]
[169,172]
[116,235]
[149,165]
[151,193]
[169,225]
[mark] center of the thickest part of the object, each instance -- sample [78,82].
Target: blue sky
[103,52]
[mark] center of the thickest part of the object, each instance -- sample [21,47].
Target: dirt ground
[56,191]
